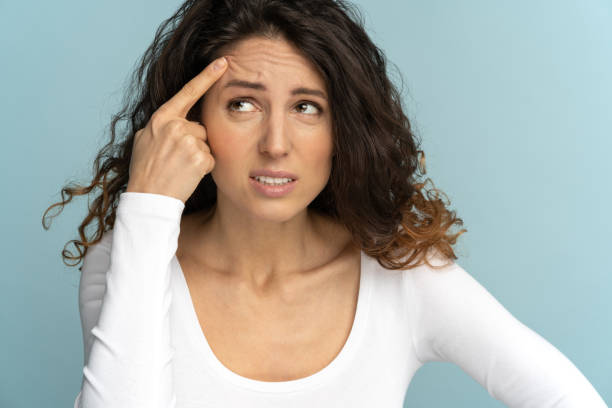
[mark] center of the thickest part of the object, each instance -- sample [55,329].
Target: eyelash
[316,105]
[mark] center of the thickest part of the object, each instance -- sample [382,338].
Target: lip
[272,191]
[273,173]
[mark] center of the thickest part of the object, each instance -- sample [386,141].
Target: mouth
[273,181]
[273,174]
[272,188]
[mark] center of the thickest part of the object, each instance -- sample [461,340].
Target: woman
[264,240]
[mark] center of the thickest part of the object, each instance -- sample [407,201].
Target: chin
[277,212]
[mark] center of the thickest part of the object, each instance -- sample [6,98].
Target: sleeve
[457,320]
[124,303]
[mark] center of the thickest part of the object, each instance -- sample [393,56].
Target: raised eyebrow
[261,87]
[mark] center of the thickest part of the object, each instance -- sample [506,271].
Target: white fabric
[143,346]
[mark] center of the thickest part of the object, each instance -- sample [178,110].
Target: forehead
[273,61]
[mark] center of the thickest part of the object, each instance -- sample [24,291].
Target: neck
[264,249]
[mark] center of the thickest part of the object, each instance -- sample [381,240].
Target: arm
[457,320]
[124,301]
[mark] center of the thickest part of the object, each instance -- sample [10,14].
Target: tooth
[274,181]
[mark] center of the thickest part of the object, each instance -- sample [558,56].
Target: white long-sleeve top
[144,347]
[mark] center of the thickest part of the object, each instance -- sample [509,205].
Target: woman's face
[275,123]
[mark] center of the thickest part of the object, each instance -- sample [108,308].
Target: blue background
[512,100]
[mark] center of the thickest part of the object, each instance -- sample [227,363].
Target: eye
[315,105]
[241,102]
[235,102]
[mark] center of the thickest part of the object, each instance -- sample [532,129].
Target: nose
[275,140]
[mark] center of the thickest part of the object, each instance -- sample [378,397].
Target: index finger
[192,91]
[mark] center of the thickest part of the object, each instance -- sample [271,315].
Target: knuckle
[210,166]
[199,158]
[204,146]
[157,119]
[141,135]
[174,126]
[189,140]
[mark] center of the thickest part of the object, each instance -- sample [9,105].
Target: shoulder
[451,312]
[442,277]
[445,290]
[438,275]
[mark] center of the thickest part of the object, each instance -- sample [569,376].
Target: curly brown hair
[375,187]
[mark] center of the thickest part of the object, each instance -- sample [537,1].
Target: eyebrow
[261,87]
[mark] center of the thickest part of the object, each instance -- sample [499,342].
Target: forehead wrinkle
[274,54]
[244,77]
[260,69]
[239,83]
[263,54]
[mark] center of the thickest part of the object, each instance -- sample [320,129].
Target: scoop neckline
[334,367]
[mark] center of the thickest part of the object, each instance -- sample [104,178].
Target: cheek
[225,145]
[321,151]
[228,153]
[221,137]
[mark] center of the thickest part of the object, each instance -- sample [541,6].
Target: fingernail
[220,64]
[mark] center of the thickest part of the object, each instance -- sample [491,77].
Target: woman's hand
[170,155]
